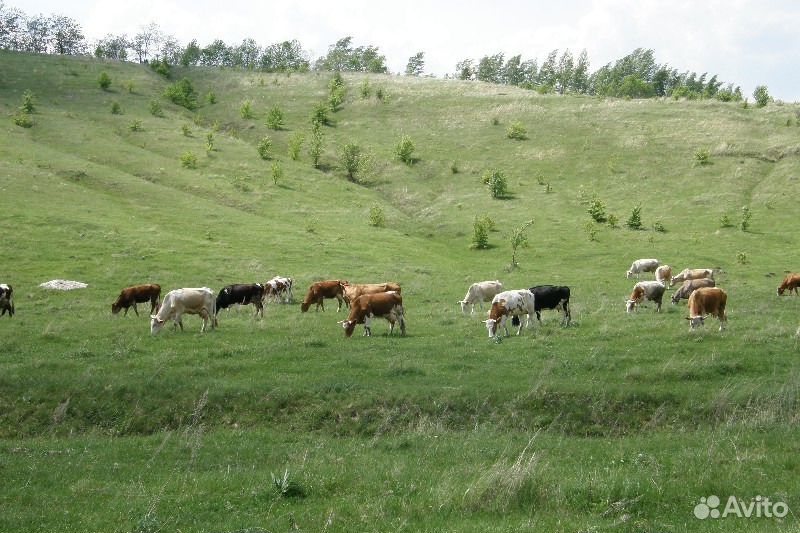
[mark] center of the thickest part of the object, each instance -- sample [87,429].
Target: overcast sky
[748,42]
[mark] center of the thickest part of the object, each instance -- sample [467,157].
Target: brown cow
[651,290]
[388,305]
[705,302]
[320,290]
[791,282]
[352,292]
[137,294]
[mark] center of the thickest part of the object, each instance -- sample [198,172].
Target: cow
[642,265]
[6,300]
[790,283]
[352,291]
[279,288]
[510,303]
[705,302]
[651,290]
[663,274]
[388,305]
[130,296]
[242,294]
[692,273]
[689,286]
[480,292]
[193,301]
[551,297]
[320,290]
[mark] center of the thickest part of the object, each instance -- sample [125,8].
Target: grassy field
[617,423]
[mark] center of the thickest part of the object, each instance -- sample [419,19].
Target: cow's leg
[339,300]
[259,308]
[134,309]
[367,326]
[658,305]
[204,315]
[126,311]
[567,314]
[538,315]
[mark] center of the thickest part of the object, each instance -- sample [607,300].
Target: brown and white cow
[705,302]
[689,286]
[790,283]
[353,291]
[650,290]
[191,301]
[280,289]
[6,300]
[320,290]
[388,305]
[692,273]
[480,292]
[130,296]
[510,304]
[663,274]
[642,265]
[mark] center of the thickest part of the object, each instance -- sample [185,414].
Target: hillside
[621,422]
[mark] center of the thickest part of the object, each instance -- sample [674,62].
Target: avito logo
[758,507]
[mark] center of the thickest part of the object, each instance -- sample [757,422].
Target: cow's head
[676,297]
[464,305]
[630,305]
[115,307]
[695,321]
[349,326]
[780,290]
[155,324]
[629,274]
[304,306]
[491,326]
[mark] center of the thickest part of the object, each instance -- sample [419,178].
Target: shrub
[725,221]
[495,121]
[319,114]
[480,234]
[161,67]
[264,147]
[405,149]
[702,156]
[182,93]
[189,160]
[246,110]
[746,216]
[187,132]
[366,90]
[286,488]
[155,108]
[380,94]
[277,172]
[761,96]
[315,146]
[128,86]
[496,182]
[487,221]
[104,80]
[454,167]
[613,220]
[23,120]
[635,220]
[741,258]
[350,160]
[597,210]
[591,230]
[135,125]
[211,97]
[294,145]
[27,102]
[518,239]
[376,217]
[516,131]
[336,98]
[210,141]
[275,118]
[115,108]
[659,227]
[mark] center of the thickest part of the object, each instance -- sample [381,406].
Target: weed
[264,147]
[189,160]
[156,109]
[116,109]
[377,218]
[246,110]
[135,125]
[277,172]
[516,131]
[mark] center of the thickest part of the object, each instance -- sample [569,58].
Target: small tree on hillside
[350,160]
[275,118]
[635,220]
[518,239]
[416,64]
[104,80]
[405,150]
[315,146]
[761,96]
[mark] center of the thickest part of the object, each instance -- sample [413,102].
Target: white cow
[692,273]
[642,265]
[193,301]
[480,292]
[663,274]
[510,303]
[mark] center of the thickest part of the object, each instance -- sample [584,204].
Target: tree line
[637,75]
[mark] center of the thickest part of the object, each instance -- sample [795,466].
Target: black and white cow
[6,300]
[242,294]
[549,297]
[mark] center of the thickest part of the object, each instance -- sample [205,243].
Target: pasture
[619,422]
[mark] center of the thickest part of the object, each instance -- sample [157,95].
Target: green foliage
[454,167]
[129,86]
[23,120]
[315,146]
[761,96]
[518,239]
[366,90]
[725,221]
[116,109]
[741,258]
[186,130]
[189,160]
[376,216]
[246,110]
[104,80]
[210,141]
[275,118]
[496,182]
[591,230]
[182,93]
[211,97]
[380,94]
[319,114]
[264,147]
[295,144]
[285,487]
[135,125]
[597,210]
[350,160]
[480,233]
[635,220]
[277,172]
[516,131]
[659,227]
[336,98]
[405,150]
[28,105]
[744,224]
[702,156]
[613,220]
[416,64]
[156,109]
[161,67]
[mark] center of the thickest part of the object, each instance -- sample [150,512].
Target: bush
[155,108]
[376,217]
[210,141]
[761,96]
[182,93]
[659,227]
[315,146]
[128,86]
[336,99]
[275,118]
[725,221]
[350,160]
[295,145]
[319,115]
[516,131]
[246,111]
[597,210]
[591,230]
[405,149]
[480,234]
[741,258]
[496,182]
[264,147]
[115,108]
[23,120]
[746,216]
[187,132]
[104,80]
[702,156]
[380,94]
[189,160]
[277,172]
[454,167]
[135,125]
[161,67]
[613,220]
[211,97]
[635,220]
[366,90]
[27,102]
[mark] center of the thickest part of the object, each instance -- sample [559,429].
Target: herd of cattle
[384,300]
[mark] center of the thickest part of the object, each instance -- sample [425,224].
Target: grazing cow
[320,290]
[689,286]
[185,301]
[551,297]
[137,294]
[242,294]
[279,288]
[651,290]
[642,265]
[388,305]
[692,273]
[352,292]
[705,302]
[790,283]
[480,292]
[6,300]
[510,303]
[663,274]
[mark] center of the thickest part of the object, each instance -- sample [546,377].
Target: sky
[747,42]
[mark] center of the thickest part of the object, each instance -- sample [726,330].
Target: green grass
[619,422]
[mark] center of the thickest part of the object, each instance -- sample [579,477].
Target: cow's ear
[688,318]
[153,317]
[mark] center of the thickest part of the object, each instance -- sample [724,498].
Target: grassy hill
[619,422]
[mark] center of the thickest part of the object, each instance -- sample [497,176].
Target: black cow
[549,297]
[6,300]
[242,294]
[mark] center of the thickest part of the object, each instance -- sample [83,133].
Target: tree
[490,68]
[247,54]
[67,36]
[416,64]
[761,96]
[548,70]
[518,239]
[12,28]
[191,54]
[465,70]
[580,74]
[170,51]
[112,47]
[216,54]
[146,41]
[37,34]
[286,56]
[513,73]
[350,158]
[564,72]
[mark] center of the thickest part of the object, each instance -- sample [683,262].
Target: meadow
[619,422]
